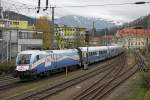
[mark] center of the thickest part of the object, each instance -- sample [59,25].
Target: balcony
[30,41]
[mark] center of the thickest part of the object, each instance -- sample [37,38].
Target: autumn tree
[59,41]
[44,25]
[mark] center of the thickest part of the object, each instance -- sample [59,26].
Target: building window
[16,23]
[23,35]
[20,35]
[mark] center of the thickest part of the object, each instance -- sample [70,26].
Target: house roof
[133,32]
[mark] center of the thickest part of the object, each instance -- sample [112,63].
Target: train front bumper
[24,70]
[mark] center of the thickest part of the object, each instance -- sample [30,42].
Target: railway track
[8,82]
[97,92]
[50,90]
[100,84]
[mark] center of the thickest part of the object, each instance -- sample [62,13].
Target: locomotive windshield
[24,59]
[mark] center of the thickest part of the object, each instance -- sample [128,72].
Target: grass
[147,95]
[7,67]
[137,94]
[141,89]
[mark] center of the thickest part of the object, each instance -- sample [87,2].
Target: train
[31,63]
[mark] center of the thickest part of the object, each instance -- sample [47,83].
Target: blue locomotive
[35,62]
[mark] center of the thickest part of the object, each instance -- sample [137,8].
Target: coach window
[100,52]
[103,52]
[86,54]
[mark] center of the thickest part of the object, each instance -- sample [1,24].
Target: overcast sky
[123,13]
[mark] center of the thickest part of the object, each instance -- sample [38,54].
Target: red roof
[133,32]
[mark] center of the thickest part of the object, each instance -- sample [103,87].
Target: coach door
[54,61]
[51,61]
[48,61]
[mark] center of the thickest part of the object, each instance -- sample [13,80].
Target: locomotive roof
[62,51]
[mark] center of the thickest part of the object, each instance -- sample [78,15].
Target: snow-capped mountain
[71,20]
[80,21]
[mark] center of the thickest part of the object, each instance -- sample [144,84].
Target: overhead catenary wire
[16,3]
[22,6]
[77,6]
[46,5]
[38,8]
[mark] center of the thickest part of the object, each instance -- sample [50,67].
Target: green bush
[7,67]
[142,51]
[145,81]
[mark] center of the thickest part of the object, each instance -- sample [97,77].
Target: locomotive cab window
[24,59]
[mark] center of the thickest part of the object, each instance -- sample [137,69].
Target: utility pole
[7,51]
[87,53]
[53,27]
[10,45]
[2,51]
[105,38]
